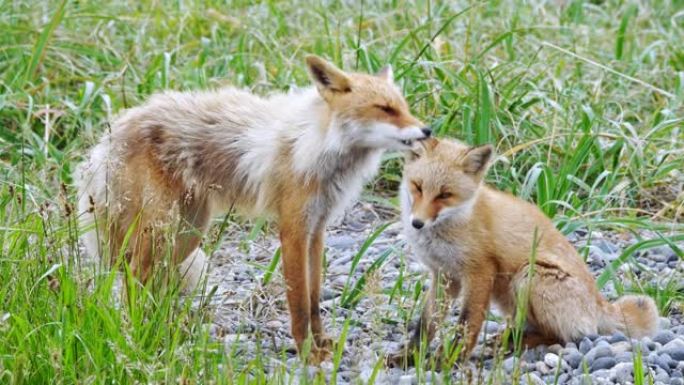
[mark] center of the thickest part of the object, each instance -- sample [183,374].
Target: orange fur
[480,240]
[301,157]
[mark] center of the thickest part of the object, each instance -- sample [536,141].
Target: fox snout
[417,224]
[427,131]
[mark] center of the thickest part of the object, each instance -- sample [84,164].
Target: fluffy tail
[636,315]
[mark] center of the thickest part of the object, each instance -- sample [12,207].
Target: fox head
[442,179]
[369,109]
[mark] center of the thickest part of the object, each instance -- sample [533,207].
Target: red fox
[479,241]
[299,157]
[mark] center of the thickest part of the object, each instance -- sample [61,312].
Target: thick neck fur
[300,138]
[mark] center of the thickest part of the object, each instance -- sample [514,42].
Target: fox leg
[427,324]
[187,254]
[476,297]
[294,240]
[428,321]
[315,266]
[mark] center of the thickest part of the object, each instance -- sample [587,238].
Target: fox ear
[421,149]
[386,73]
[476,160]
[326,76]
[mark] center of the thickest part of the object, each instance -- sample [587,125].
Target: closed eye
[386,109]
[444,195]
[418,187]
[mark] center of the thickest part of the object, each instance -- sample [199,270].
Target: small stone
[647,341]
[491,327]
[551,360]
[603,363]
[529,356]
[624,357]
[274,324]
[407,379]
[555,348]
[600,374]
[598,352]
[621,347]
[675,349]
[676,381]
[662,376]
[582,379]
[663,361]
[533,379]
[617,337]
[585,345]
[573,357]
[622,373]
[652,358]
[509,364]
[542,368]
[593,337]
[664,323]
[664,336]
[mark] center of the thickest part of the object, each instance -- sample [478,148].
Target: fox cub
[299,157]
[479,241]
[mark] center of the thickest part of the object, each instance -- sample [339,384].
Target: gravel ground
[252,317]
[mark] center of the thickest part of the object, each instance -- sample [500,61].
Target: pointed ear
[386,73]
[476,160]
[421,148]
[326,76]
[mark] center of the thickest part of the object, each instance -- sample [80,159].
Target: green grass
[583,103]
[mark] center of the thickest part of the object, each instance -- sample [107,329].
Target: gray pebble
[408,379]
[617,337]
[675,349]
[624,357]
[491,327]
[622,373]
[664,360]
[664,323]
[662,376]
[573,357]
[600,373]
[598,352]
[664,336]
[585,345]
[676,381]
[621,347]
[652,358]
[603,363]
[582,379]
[541,368]
[533,379]
[509,364]
[551,360]
[647,341]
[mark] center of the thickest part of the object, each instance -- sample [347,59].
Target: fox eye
[418,187]
[386,109]
[445,195]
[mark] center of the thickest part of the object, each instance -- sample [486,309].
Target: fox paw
[318,355]
[324,341]
[401,359]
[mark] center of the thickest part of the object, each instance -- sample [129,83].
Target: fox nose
[417,223]
[426,131]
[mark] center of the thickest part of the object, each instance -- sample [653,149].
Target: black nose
[427,131]
[417,223]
